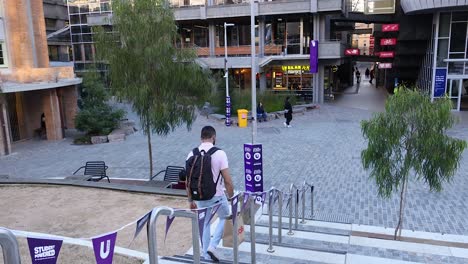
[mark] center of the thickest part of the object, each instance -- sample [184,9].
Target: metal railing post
[296,210]
[252,230]
[152,241]
[311,201]
[235,227]
[290,233]
[280,215]
[9,246]
[270,223]
[303,204]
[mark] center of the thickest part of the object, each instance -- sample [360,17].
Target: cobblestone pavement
[322,147]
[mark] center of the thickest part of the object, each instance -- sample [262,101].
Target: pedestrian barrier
[9,246]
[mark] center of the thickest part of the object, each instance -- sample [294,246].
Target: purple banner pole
[314,56]
[253,167]
[169,221]
[201,223]
[228,111]
[44,251]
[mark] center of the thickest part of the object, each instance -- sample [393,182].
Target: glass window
[88,52]
[84,18]
[85,29]
[75,19]
[456,68]
[76,38]
[458,37]
[200,35]
[73,9]
[442,52]
[2,54]
[77,52]
[444,28]
[293,37]
[457,55]
[84,9]
[87,37]
[459,16]
[105,7]
[75,30]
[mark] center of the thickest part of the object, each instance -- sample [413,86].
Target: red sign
[390,27]
[386,65]
[388,42]
[352,52]
[371,44]
[386,54]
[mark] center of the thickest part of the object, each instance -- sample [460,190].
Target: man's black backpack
[200,184]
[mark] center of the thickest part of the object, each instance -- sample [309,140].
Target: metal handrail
[152,242]
[9,246]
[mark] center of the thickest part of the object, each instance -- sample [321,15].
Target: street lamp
[226,75]
[253,70]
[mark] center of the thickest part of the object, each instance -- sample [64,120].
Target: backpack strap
[212,150]
[195,152]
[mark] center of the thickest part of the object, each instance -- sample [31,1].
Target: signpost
[440,82]
[386,65]
[387,54]
[388,42]
[352,52]
[253,167]
[390,27]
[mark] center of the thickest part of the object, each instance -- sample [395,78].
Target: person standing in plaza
[367,73]
[287,112]
[199,191]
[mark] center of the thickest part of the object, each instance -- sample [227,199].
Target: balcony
[196,9]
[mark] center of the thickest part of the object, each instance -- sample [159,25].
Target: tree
[409,139]
[163,83]
[96,116]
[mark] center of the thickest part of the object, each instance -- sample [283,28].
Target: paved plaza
[322,147]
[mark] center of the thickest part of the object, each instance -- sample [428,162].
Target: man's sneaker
[289,126]
[285,125]
[212,253]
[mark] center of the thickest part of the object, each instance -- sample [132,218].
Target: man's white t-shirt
[219,162]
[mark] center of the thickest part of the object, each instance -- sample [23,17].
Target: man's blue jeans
[223,213]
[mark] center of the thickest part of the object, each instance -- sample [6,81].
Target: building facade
[283,32]
[36,100]
[58,37]
[444,71]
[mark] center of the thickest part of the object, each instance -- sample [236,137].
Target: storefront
[290,77]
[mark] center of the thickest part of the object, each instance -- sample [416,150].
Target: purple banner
[228,111]
[44,251]
[104,248]
[213,210]
[234,202]
[313,56]
[201,223]
[253,167]
[169,221]
[440,82]
[141,223]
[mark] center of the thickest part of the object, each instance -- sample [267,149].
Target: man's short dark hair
[208,132]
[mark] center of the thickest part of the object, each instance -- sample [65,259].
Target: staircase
[316,242]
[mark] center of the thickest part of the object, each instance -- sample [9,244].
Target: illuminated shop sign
[295,69]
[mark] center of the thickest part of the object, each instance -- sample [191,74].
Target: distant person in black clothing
[371,76]
[367,73]
[261,114]
[358,76]
[287,112]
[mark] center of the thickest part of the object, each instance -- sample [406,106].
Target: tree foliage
[409,139]
[163,83]
[96,116]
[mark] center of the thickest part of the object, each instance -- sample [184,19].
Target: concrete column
[318,78]
[40,39]
[261,37]
[5,138]
[212,38]
[70,97]
[52,115]
[17,30]
[263,81]
[301,38]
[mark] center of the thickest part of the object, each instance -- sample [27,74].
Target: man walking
[213,184]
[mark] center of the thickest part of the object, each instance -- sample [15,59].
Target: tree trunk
[402,208]
[150,151]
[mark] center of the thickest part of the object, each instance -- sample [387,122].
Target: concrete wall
[40,39]
[51,108]
[68,97]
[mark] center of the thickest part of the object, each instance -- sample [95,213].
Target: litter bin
[242,117]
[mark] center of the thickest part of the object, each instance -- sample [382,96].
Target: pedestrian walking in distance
[287,112]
